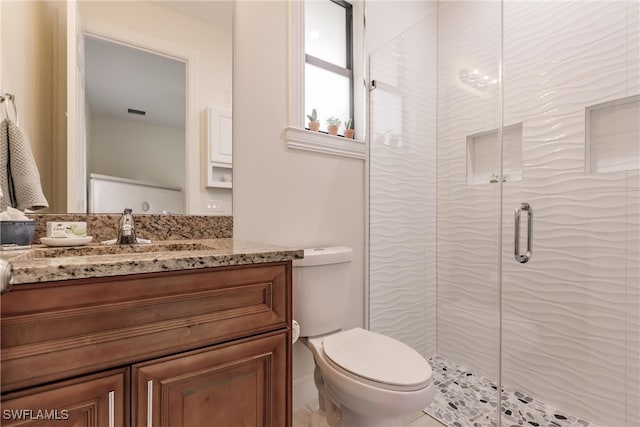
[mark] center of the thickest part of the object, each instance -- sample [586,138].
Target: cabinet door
[92,401]
[238,384]
[220,137]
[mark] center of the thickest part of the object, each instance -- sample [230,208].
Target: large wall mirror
[127,103]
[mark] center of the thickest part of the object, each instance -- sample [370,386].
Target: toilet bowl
[364,379]
[370,379]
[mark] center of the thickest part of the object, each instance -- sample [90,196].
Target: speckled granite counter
[42,264]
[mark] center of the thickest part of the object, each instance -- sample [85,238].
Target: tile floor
[311,417]
[466,399]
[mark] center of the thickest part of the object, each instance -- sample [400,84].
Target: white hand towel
[5,198]
[23,188]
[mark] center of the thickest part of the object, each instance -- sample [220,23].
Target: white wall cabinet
[220,147]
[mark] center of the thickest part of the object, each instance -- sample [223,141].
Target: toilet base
[342,417]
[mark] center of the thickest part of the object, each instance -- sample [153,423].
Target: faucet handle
[126,230]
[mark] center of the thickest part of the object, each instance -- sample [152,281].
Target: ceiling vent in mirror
[138,112]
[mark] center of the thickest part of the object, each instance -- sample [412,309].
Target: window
[344,74]
[328,60]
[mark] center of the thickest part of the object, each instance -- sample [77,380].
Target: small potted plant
[332,125]
[348,129]
[314,124]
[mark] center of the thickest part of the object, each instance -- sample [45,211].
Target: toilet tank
[321,286]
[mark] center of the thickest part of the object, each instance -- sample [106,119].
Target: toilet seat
[377,359]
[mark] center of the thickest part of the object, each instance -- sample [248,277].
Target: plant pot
[314,126]
[332,129]
[349,133]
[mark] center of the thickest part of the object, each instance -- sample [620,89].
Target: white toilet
[364,379]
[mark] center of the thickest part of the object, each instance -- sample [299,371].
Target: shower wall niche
[483,156]
[612,135]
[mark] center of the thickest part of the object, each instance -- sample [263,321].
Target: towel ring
[10,99]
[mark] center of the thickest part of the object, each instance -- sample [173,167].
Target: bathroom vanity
[164,338]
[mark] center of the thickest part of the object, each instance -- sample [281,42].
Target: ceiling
[119,77]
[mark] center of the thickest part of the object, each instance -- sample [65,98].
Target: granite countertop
[43,264]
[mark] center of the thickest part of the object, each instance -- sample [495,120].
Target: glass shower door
[570,314]
[434,195]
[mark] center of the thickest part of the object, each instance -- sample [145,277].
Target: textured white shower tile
[633,48]
[563,331]
[633,223]
[396,181]
[562,310]
[573,183]
[470,32]
[633,336]
[552,145]
[561,56]
[400,227]
[402,188]
[633,309]
[402,276]
[467,281]
[402,315]
[564,325]
[467,331]
[574,221]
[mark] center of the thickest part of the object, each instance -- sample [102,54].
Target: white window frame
[297,137]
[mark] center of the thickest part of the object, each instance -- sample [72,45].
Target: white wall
[28,45]
[282,196]
[123,148]
[212,47]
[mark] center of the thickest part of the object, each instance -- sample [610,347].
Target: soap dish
[66,241]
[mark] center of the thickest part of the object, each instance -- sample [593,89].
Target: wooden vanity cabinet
[203,347]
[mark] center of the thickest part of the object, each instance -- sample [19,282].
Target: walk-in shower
[486,114]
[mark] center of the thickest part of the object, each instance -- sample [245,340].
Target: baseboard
[304,392]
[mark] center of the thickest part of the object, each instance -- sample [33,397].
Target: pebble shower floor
[464,399]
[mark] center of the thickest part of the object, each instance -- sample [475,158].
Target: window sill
[317,142]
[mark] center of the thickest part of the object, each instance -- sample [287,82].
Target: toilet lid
[378,358]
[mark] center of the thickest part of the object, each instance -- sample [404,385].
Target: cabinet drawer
[79,326]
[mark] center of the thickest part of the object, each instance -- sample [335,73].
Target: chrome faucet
[126,230]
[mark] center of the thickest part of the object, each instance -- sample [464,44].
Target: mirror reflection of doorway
[135,126]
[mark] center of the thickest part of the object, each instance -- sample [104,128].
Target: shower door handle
[516,244]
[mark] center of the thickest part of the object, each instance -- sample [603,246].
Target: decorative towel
[20,178]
